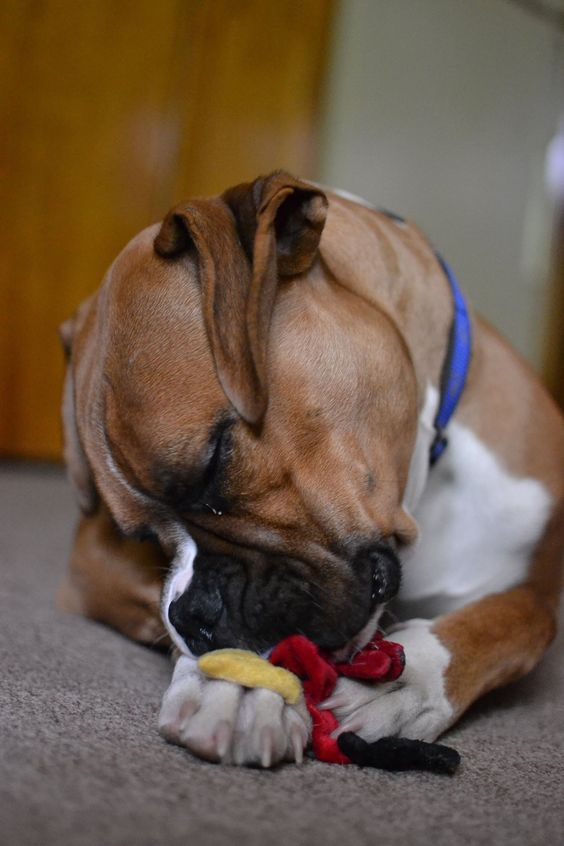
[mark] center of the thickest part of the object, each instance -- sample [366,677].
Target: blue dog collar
[457,359]
[456,364]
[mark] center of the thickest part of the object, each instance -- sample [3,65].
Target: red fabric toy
[380,660]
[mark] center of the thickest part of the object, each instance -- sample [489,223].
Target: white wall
[442,110]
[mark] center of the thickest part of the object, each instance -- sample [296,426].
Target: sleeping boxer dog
[251,402]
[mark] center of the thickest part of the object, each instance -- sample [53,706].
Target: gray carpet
[82,762]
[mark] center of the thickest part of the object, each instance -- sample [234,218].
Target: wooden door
[111,112]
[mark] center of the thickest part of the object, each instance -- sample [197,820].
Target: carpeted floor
[81,761]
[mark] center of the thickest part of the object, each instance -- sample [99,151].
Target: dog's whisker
[159,638]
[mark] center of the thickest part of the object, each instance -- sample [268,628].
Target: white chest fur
[478,526]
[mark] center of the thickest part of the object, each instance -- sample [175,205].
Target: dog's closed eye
[200,487]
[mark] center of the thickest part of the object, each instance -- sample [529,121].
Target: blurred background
[445,111]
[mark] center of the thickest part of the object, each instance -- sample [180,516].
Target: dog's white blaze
[478,526]
[419,466]
[181,573]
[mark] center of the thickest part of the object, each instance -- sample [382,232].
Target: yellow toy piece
[250,670]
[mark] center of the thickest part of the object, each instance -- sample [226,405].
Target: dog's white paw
[413,706]
[222,721]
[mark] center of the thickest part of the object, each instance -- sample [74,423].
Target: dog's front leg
[115,579]
[450,662]
[221,721]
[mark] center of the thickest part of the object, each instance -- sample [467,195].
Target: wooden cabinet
[111,112]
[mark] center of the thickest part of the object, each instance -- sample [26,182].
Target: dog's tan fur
[155,357]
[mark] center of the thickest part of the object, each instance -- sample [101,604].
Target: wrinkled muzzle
[231,603]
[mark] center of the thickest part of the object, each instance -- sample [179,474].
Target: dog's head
[229,395]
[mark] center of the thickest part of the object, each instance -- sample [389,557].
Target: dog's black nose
[194,615]
[386,573]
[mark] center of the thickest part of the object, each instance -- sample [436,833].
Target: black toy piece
[399,753]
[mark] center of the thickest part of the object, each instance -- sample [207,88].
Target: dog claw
[297,744]
[169,731]
[187,711]
[332,702]
[172,723]
[266,745]
[223,735]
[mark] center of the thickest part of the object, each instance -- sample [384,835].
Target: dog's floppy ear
[279,217]
[77,464]
[278,220]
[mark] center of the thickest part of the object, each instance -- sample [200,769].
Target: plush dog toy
[297,662]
